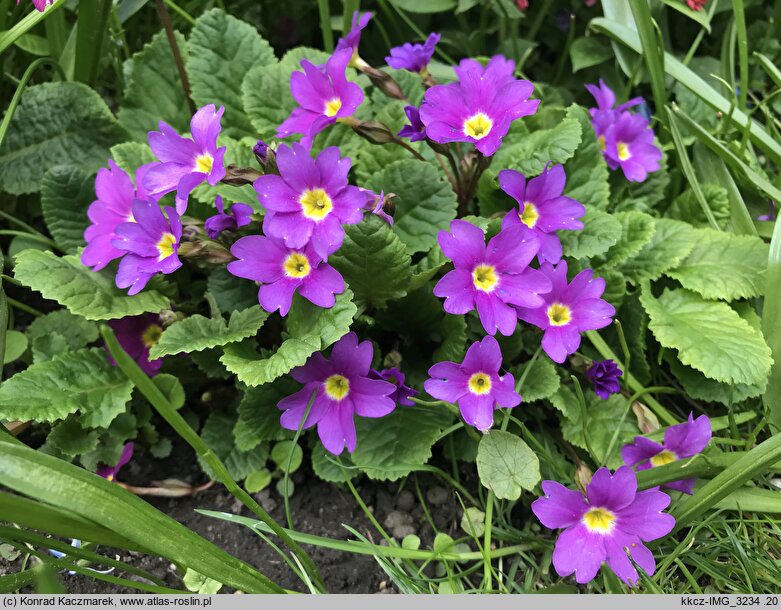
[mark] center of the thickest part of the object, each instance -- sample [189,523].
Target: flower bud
[375,132]
[384,82]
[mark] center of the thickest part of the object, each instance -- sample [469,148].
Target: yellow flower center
[337,387]
[602,143]
[559,314]
[110,477]
[151,335]
[530,215]
[663,457]
[332,107]
[204,163]
[478,126]
[165,247]
[484,278]
[297,265]
[315,203]
[599,520]
[479,383]
[623,151]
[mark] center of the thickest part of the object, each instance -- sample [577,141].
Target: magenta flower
[568,310]
[771,215]
[152,243]
[629,144]
[491,279]
[543,207]
[606,113]
[310,199]
[184,162]
[324,95]
[604,375]
[342,389]
[377,207]
[680,441]
[40,5]
[113,206]
[480,107]
[353,37]
[416,130]
[137,335]
[475,384]
[238,216]
[403,392]
[608,525]
[282,271]
[110,472]
[413,57]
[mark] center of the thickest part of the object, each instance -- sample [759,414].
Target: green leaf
[197,332]
[217,433]
[258,481]
[425,202]
[709,336]
[724,266]
[529,153]
[92,295]
[153,90]
[374,262]
[267,98]
[601,231]
[230,294]
[67,122]
[685,207]
[506,465]
[198,583]
[81,381]
[427,268]
[71,439]
[311,329]
[172,388]
[77,331]
[671,243]
[453,344]
[48,346]
[132,155]
[699,387]
[541,381]
[222,50]
[425,6]
[325,468]
[588,52]
[637,229]
[473,522]
[15,345]
[391,447]
[587,172]
[66,193]
[281,455]
[702,17]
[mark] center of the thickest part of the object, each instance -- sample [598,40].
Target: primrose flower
[606,113]
[491,279]
[137,335]
[353,37]
[629,144]
[186,162]
[416,130]
[310,199]
[696,5]
[680,441]
[604,375]
[152,243]
[283,271]
[40,5]
[475,384]
[413,57]
[324,95]
[377,207]
[613,519]
[480,107]
[110,472]
[568,310]
[238,216]
[342,388]
[543,207]
[113,206]
[403,392]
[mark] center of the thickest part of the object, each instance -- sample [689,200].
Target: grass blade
[771,327]
[653,53]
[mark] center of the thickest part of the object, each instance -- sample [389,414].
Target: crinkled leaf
[671,243]
[230,293]
[259,415]
[217,433]
[77,331]
[601,231]
[453,344]
[267,98]
[588,52]
[323,463]
[699,387]
[587,173]
[427,268]
[132,155]
[66,193]
[708,335]
[637,229]
[686,207]
[540,382]
[506,465]
[48,346]
[70,438]
[529,153]
[92,295]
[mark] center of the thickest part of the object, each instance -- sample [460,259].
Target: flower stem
[165,19]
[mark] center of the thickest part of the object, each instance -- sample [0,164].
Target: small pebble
[437,495]
[405,501]
[400,524]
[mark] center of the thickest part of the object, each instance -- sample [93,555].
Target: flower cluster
[626,139]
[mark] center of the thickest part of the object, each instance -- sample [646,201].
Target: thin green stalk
[740,30]
[90,34]
[489,517]
[653,52]
[180,11]
[286,479]
[20,223]
[24,307]
[3,329]
[325,25]
[583,416]
[32,237]
[23,26]
[165,19]
[56,33]
[771,327]
[158,400]
[538,20]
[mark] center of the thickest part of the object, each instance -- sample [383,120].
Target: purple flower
[611,522]
[543,207]
[480,107]
[377,207]
[604,375]
[113,206]
[40,5]
[568,310]
[260,150]
[353,37]
[152,243]
[629,144]
[680,441]
[403,392]
[184,162]
[491,279]
[416,130]
[342,388]
[324,95]
[771,215]
[283,271]
[110,472]
[137,335]
[310,199]
[238,216]
[475,384]
[413,57]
